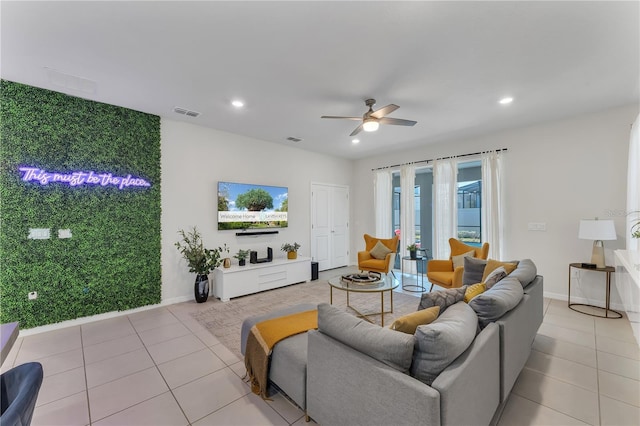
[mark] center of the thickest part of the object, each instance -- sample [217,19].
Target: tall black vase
[201,288]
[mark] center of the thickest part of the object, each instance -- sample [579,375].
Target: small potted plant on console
[242,256]
[291,249]
[200,260]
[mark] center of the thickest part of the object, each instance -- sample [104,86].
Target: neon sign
[81,178]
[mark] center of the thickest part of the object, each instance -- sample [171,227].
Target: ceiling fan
[371,119]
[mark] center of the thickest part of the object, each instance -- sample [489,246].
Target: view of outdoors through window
[469,205]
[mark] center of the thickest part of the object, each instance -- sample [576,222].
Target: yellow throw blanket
[263,337]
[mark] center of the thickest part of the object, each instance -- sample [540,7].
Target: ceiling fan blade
[384,111]
[357,130]
[397,121]
[344,118]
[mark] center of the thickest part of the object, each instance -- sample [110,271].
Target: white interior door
[330,225]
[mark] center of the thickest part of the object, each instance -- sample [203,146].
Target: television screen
[244,206]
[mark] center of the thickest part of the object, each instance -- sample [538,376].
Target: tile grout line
[155,364]
[86,381]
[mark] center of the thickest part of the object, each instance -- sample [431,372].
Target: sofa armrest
[456,280]
[480,363]
[438,265]
[345,386]
[364,255]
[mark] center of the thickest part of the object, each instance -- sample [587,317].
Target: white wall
[557,173]
[195,158]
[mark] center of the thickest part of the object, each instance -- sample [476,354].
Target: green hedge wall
[112,260]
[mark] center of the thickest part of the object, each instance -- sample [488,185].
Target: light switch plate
[537,226]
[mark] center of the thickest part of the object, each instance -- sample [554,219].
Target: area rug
[224,319]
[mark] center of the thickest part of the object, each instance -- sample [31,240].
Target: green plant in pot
[635,225]
[242,256]
[413,249]
[291,250]
[200,260]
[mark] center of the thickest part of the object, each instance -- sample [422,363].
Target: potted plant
[242,256]
[200,260]
[291,249]
[635,225]
[412,250]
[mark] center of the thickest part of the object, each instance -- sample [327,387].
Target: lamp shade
[595,229]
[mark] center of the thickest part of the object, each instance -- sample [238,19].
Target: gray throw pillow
[379,251]
[442,298]
[439,344]
[473,270]
[387,346]
[525,272]
[497,301]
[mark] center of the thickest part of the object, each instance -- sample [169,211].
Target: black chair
[19,389]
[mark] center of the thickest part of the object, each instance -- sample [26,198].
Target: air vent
[185,111]
[292,139]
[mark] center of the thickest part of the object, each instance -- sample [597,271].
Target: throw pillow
[409,323]
[474,290]
[493,264]
[473,270]
[495,276]
[379,251]
[387,346]
[459,259]
[497,301]
[438,344]
[442,298]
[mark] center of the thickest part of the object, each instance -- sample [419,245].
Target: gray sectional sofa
[351,372]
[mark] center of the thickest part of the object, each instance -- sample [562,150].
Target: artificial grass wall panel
[112,260]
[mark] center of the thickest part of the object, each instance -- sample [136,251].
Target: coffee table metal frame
[387,283]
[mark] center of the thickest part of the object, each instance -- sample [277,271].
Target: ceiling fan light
[370,125]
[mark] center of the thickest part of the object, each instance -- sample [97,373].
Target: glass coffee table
[378,284]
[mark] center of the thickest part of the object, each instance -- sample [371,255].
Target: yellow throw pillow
[474,290]
[459,259]
[379,251]
[409,323]
[493,264]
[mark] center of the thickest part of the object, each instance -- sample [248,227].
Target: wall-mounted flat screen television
[250,206]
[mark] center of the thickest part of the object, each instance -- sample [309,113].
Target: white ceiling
[446,64]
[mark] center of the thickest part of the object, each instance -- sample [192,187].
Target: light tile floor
[160,367]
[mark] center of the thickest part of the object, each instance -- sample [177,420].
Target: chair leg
[431,287]
[394,275]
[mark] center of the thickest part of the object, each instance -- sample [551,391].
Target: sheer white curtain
[407,207]
[445,206]
[493,202]
[633,190]
[382,193]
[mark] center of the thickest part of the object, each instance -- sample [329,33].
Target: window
[469,203]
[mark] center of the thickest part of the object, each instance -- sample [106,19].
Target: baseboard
[100,317]
[574,299]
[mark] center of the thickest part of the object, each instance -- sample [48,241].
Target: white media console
[255,277]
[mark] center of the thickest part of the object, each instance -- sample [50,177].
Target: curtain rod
[441,158]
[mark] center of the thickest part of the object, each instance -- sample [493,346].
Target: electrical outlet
[33,295]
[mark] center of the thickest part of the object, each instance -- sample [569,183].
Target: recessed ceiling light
[355,141]
[505,100]
[237,103]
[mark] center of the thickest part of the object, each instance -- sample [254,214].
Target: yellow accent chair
[367,262]
[442,272]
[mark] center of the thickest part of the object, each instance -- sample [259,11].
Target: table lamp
[597,230]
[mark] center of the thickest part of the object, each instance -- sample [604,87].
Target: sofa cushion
[379,251]
[494,264]
[442,298]
[473,270]
[408,323]
[497,301]
[459,259]
[387,346]
[474,290]
[438,344]
[525,272]
[495,276]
